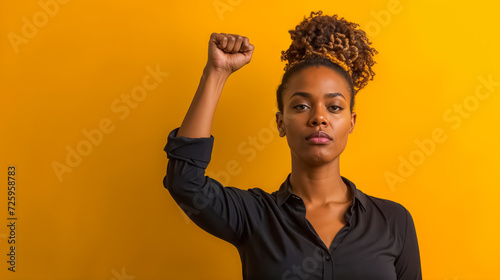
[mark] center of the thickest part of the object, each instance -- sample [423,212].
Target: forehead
[317,80]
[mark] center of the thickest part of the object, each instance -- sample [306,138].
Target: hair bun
[336,39]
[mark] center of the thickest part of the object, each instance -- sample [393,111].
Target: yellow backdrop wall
[90,90]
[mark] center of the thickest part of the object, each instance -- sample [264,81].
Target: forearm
[199,117]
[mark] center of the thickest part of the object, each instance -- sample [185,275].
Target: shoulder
[388,208]
[250,191]
[253,193]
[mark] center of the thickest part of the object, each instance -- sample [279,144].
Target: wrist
[217,74]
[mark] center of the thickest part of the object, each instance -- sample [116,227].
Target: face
[316,119]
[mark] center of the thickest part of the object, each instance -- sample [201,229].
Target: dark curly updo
[331,42]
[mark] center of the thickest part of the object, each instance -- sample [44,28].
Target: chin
[317,159]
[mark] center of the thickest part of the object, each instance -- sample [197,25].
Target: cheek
[293,126]
[294,132]
[341,128]
[288,118]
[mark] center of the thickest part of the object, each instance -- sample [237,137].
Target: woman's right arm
[226,212]
[226,54]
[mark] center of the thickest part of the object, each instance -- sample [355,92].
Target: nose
[318,118]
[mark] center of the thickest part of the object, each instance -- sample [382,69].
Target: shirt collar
[285,191]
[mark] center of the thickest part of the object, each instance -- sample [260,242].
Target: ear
[353,122]
[280,125]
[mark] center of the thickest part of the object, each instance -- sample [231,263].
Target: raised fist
[228,52]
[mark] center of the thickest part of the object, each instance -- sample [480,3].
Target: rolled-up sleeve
[221,211]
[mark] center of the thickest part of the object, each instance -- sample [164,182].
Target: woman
[318,225]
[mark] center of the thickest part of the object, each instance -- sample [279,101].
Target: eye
[335,108]
[300,107]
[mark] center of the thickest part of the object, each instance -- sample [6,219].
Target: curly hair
[332,42]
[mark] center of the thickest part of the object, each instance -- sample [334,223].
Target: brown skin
[315,175]
[226,54]
[315,168]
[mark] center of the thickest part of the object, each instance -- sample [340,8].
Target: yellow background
[111,217]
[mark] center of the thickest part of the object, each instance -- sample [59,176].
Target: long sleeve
[225,212]
[408,265]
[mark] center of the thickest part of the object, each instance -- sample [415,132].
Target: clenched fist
[228,52]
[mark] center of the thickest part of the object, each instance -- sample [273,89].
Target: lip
[318,137]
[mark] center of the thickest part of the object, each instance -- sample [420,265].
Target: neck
[318,185]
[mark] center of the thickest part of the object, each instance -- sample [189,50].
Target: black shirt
[271,232]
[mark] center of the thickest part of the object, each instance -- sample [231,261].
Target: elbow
[183,179]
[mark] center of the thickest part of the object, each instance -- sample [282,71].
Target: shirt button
[327,258]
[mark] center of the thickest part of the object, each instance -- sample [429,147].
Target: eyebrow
[308,95]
